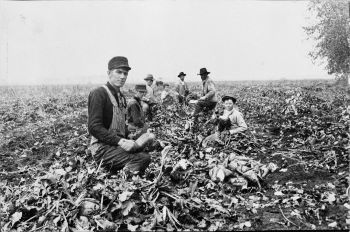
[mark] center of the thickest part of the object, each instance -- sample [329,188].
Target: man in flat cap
[182,88]
[149,100]
[107,127]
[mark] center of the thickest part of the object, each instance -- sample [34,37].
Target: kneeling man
[107,127]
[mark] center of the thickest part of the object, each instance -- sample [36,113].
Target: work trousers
[203,105]
[115,158]
[224,124]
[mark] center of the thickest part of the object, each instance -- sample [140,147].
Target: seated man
[231,120]
[135,115]
[109,145]
[208,100]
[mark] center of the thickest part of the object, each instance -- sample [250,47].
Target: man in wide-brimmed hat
[208,100]
[182,88]
[107,126]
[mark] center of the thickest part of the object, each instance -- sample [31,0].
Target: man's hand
[127,144]
[233,131]
[145,99]
[224,134]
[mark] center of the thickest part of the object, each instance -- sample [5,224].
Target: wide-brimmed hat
[227,97]
[203,71]
[118,62]
[149,77]
[181,74]
[141,88]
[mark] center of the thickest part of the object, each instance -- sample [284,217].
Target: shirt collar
[113,89]
[137,98]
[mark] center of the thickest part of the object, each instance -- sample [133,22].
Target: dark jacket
[135,113]
[100,112]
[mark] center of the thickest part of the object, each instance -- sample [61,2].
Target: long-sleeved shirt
[182,88]
[100,113]
[237,121]
[135,116]
[209,91]
[150,94]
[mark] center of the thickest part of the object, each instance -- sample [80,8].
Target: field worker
[106,124]
[167,95]
[182,88]
[135,115]
[231,120]
[158,90]
[208,100]
[149,100]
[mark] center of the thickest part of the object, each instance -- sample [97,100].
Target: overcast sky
[71,42]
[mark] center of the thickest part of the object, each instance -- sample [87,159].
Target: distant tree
[330,29]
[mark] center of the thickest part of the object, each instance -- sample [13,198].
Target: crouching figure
[110,145]
[231,120]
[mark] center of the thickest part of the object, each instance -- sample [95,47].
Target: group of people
[118,128]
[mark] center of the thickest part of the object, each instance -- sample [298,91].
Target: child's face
[141,94]
[228,104]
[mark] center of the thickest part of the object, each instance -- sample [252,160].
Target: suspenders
[119,113]
[118,120]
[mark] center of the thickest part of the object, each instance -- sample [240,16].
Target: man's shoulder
[209,80]
[236,112]
[98,91]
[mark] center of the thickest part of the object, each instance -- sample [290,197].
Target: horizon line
[131,83]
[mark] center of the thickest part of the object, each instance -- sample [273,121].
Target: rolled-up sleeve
[238,123]
[96,103]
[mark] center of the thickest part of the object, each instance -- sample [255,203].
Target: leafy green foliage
[331,31]
[49,183]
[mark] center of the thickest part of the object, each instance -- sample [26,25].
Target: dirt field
[49,182]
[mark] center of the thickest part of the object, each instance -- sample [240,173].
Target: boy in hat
[109,145]
[231,120]
[135,114]
[167,95]
[182,88]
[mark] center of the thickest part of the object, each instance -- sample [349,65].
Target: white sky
[71,42]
